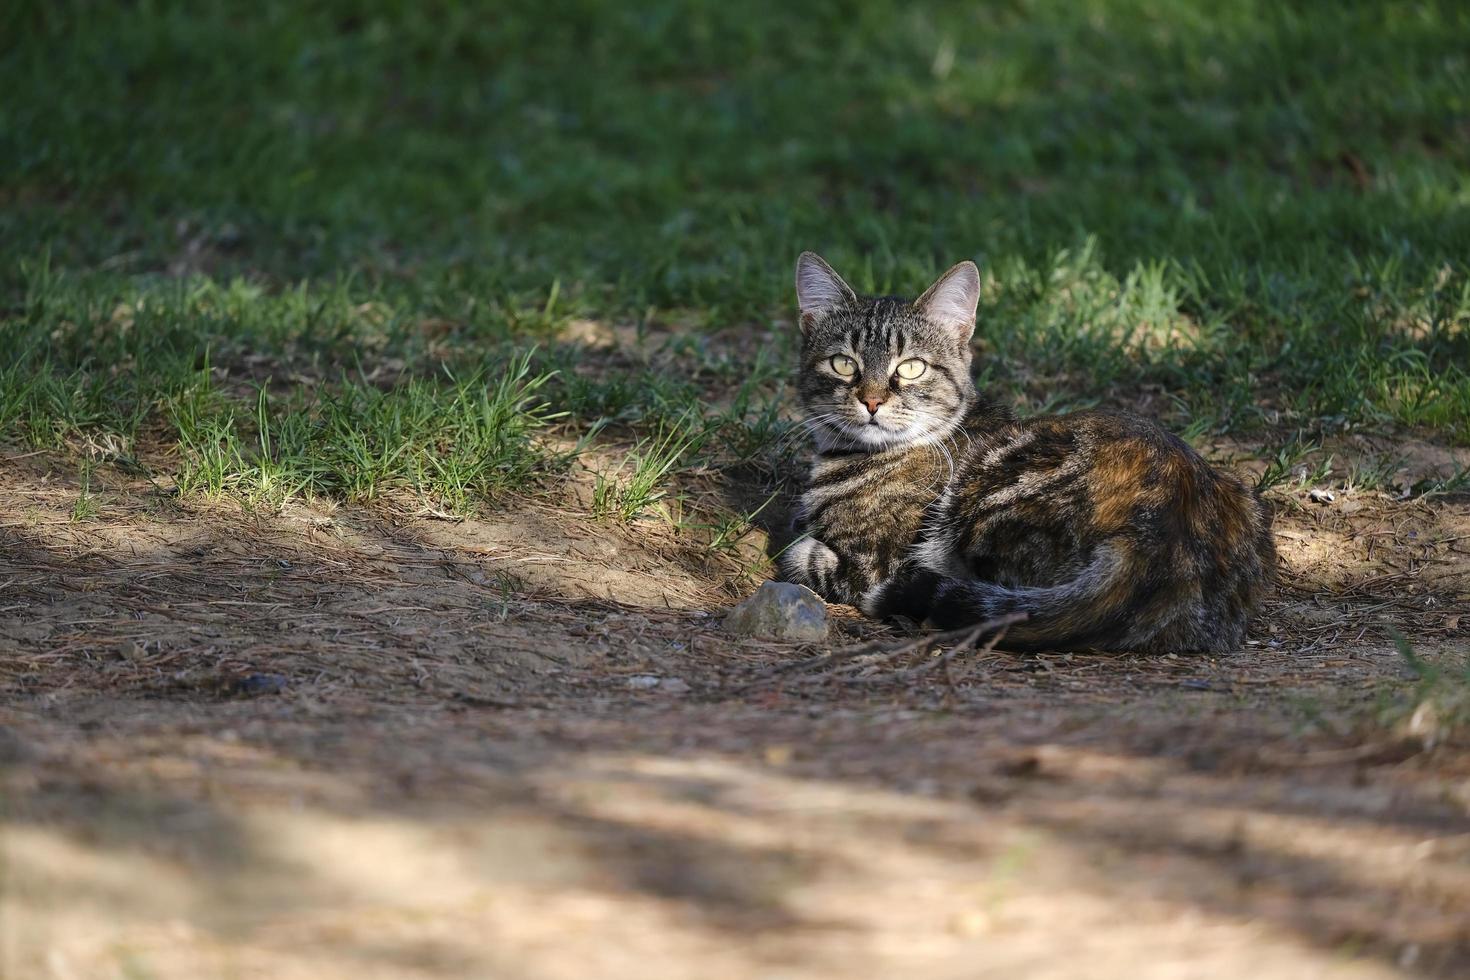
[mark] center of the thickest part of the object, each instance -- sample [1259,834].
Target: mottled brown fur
[1106,530]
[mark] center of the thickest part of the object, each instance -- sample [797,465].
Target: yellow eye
[911,369]
[845,366]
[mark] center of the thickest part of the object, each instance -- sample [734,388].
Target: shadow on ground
[460,778]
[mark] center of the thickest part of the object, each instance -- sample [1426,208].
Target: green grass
[639,481]
[85,507]
[272,249]
[459,441]
[1293,464]
[1436,706]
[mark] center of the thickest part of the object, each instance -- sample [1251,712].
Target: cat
[930,501]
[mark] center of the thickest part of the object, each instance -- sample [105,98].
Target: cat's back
[1056,486]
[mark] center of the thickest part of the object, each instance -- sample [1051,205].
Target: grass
[86,506]
[638,481]
[1290,465]
[457,441]
[332,249]
[1438,701]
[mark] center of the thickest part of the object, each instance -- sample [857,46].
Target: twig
[965,635]
[1000,624]
[967,638]
[1389,750]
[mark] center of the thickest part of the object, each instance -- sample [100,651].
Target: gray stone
[780,611]
[252,685]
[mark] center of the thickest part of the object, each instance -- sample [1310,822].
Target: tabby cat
[928,500]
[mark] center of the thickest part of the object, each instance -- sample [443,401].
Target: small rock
[1426,725]
[643,682]
[252,685]
[674,685]
[1350,506]
[974,922]
[1025,766]
[1319,496]
[780,611]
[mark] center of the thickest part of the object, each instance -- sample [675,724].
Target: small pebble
[780,611]
[252,685]
[975,922]
[643,682]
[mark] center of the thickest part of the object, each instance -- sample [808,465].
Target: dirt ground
[357,742]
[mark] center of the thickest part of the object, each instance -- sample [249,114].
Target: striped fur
[927,500]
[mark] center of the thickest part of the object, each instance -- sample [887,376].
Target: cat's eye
[845,366]
[911,369]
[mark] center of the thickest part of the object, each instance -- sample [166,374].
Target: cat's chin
[876,437]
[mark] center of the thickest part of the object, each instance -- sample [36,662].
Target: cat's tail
[1099,608]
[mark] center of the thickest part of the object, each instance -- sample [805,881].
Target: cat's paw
[806,561]
[907,596]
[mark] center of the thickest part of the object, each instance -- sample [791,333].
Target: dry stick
[966,635]
[967,639]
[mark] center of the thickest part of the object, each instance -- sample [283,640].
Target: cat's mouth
[871,431]
[879,433]
[869,427]
[862,421]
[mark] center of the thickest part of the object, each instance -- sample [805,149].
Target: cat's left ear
[951,301]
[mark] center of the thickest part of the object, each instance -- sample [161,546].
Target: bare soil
[360,742]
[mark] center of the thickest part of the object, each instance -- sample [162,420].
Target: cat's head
[878,372]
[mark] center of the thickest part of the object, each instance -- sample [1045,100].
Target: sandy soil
[360,743]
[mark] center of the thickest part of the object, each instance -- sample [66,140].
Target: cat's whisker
[943,451]
[806,427]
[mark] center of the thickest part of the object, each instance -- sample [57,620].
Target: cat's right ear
[952,300]
[819,290]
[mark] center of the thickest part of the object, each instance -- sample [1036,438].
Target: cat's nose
[873,401]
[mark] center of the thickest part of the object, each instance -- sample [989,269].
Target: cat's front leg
[811,563]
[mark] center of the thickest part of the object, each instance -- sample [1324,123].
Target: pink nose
[873,403]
